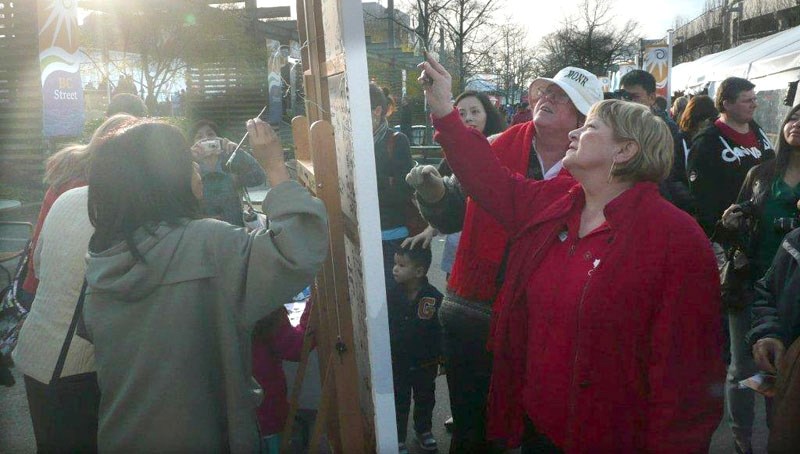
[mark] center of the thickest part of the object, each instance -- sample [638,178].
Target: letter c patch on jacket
[426,308]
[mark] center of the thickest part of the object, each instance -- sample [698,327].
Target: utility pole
[729,31]
[390,20]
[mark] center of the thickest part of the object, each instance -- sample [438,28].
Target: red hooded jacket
[283,342]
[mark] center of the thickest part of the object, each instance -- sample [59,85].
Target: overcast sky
[655,17]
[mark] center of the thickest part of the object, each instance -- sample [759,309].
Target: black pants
[65,413]
[465,329]
[422,381]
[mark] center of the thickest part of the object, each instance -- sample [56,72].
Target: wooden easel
[332,142]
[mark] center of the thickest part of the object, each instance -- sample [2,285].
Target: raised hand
[262,136]
[267,150]
[438,86]
[427,182]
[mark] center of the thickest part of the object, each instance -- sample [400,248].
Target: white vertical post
[670,40]
[377,321]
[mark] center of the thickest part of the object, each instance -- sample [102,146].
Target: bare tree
[427,13]
[166,40]
[514,61]
[466,25]
[588,41]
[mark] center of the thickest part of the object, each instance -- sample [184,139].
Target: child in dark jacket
[415,341]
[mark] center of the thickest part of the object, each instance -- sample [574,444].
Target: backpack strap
[76,316]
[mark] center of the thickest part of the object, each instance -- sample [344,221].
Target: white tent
[770,63]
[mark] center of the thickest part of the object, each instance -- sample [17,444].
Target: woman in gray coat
[172,299]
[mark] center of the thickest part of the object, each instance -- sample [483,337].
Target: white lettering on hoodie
[736,154]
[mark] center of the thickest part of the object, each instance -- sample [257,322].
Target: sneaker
[401,449]
[426,441]
[448,424]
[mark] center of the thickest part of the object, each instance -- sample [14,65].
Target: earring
[611,170]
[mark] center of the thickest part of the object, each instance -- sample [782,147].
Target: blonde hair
[635,122]
[72,162]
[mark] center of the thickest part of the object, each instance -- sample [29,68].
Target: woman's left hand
[427,182]
[423,239]
[438,86]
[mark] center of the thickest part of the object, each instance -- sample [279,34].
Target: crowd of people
[583,353]
[606,261]
[154,310]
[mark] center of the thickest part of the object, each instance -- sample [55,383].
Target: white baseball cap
[582,87]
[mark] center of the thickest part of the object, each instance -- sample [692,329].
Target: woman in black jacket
[698,114]
[392,162]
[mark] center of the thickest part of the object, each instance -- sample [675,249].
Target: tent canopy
[770,63]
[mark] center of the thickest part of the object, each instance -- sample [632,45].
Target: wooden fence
[22,148]
[227,96]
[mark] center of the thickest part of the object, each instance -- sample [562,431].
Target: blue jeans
[740,403]
[422,381]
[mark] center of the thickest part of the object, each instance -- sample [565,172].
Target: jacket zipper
[573,393]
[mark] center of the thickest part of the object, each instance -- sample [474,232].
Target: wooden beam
[302,153]
[273,12]
[357,410]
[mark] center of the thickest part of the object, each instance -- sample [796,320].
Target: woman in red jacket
[605,332]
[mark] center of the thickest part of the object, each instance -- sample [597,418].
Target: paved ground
[16,435]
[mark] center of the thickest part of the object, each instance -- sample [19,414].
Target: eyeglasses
[554,96]
[752,100]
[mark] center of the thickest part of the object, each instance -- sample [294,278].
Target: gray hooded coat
[172,333]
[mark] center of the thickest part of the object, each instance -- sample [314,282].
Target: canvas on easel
[335,160]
